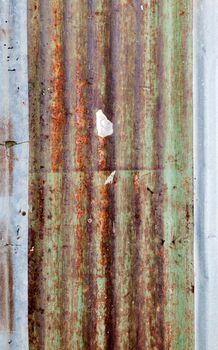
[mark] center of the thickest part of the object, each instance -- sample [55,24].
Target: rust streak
[82,139]
[57,105]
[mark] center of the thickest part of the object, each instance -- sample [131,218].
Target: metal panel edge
[205,170]
[14,150]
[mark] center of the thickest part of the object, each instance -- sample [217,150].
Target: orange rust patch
[102,153]
[57,104]
[79,212]
[182,13]
[104,222]
[81,121]
[81,140]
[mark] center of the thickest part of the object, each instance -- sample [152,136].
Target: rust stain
[102,153]
[82,139]
[182,13]
[105,227]
[80,233]
[57,106]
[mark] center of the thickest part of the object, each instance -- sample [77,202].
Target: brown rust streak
[80,234]
[90,322]
[36,231]
[109,93]
[82,139]
[102,95]
[83,153]
[107,261]
[57,105]
[84,236]
[110,323]
[139,332]
[102,153]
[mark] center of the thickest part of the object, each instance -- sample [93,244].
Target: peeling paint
[110,178]
[104,126]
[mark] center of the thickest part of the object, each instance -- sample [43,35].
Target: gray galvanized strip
[206,170]
[14,174]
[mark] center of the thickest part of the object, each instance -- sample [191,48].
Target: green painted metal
[111,265]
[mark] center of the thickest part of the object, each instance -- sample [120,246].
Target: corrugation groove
[110,265]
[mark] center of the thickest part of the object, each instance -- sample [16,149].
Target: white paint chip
[110,178]
[104,126]
[142,8]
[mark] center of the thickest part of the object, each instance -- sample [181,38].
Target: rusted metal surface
[13,175]
[110,264]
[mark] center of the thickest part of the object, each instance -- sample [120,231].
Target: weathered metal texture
[111,265]
[13,175]
[206,186]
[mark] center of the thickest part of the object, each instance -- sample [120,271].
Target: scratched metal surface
[205,140]
[13,175]
[110,265]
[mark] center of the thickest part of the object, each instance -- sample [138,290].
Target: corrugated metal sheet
[206,214]
[110,265]
[110,262]
[13,175]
